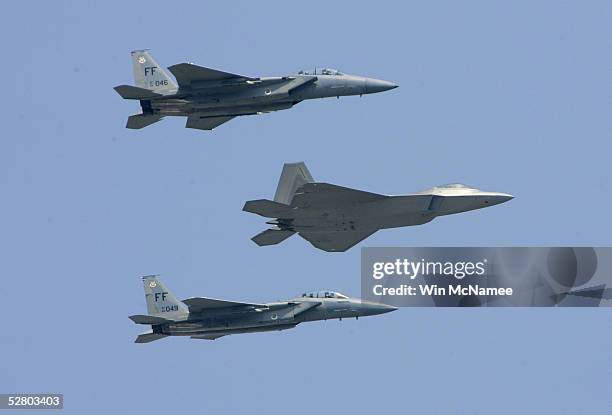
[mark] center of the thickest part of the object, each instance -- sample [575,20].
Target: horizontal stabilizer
[133,92]
[149,337]
[187,73]
[205,123]
[200,304]
[271,237]
[268,208]
[136,122]
[144,319]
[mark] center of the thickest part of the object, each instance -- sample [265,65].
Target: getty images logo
[412,269]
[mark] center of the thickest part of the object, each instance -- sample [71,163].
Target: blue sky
[505,96]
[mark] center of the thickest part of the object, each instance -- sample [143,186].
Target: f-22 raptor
[335,218]
[209,97]
[209,319]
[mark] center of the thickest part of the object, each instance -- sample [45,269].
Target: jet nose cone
[503,197]
[377,308]
[373,86]
[387,308]
[498,198]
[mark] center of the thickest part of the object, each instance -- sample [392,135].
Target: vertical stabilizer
[160,301]
[149,75]
[293,176]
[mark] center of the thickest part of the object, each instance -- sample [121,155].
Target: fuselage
[263,95]
[390,211]
[277,316]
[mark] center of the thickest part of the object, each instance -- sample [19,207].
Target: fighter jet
[335,218]
[209,319]
[209,97]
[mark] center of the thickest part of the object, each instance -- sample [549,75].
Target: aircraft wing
[321,194]
[199,304]
[338,241]
[187,73]
[206,123]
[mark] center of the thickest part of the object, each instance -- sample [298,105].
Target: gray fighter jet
[209,319]
[209,97]
[334,218]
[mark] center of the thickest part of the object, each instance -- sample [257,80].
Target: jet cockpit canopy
[451,189]
[324,294]
[454,186]
[322,71]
